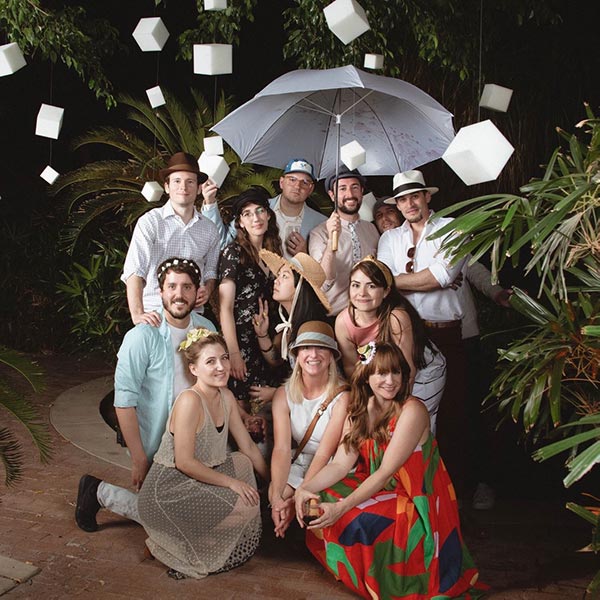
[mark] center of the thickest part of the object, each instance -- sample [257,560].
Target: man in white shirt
[176,229]
[356,238]
[295,220]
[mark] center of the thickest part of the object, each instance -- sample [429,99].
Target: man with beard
[150,374]
[356,238]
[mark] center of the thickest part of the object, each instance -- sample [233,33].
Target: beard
[178,312]
[350,211]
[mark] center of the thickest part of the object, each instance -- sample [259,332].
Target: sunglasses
[410,265]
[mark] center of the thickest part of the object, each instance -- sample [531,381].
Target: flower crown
[179,261]
[194,335]
[366,353]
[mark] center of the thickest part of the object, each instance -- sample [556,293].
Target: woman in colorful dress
[377,313]
[389,529]
[244,280]
[199,504]
[309,410]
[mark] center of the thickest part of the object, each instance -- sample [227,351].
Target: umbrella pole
[338,123]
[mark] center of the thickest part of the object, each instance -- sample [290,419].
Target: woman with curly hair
[390,528]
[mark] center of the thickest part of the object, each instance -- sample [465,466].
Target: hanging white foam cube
[11,59]
[49,175]
[213,59]
[366,208]
[151,34]
[155,96]
[495,97]
[152,191]
[213,145]
[373,61]
[353,155]
[49,121]
[346,19]
[478,153]
[215,4]
[215,167]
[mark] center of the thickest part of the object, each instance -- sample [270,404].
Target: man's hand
[457,282]
[149,318]
[503,298]
[334,223]
[296,243]
[139,469]
[201,297]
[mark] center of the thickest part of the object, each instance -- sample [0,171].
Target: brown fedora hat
[315,333]
[182,161]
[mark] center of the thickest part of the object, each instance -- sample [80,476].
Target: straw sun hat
[306,266]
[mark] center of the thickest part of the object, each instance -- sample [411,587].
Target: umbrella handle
[334,241]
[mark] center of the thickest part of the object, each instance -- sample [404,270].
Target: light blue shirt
[144,377]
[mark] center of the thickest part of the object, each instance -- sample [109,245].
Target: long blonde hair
[388,358]
[296,387]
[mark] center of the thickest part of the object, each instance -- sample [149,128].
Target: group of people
[343,337]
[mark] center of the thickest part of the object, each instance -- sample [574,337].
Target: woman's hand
[330,513]
[238,366]
[301,497]
[262,394]
[246,492]
[282,513]
[261,319]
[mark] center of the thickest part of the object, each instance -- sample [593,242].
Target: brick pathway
[526,552]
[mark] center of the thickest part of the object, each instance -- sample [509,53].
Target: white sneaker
[484,497]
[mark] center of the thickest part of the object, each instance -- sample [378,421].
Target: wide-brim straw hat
[306,266]
[315,333]
[407,183]
[182,161]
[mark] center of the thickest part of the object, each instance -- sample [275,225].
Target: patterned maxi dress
[405,541]
[193,527]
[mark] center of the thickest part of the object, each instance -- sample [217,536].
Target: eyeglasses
[258,212]
[294,180]
[410,265]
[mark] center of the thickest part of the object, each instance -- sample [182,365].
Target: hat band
[408,186]
[314,338]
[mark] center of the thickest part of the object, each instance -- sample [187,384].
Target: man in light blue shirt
[150,374]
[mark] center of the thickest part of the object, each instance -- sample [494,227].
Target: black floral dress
[251,283]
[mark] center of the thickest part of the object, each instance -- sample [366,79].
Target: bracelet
[267,349]
[262,336]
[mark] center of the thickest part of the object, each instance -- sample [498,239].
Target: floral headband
[387,274]
[366,353]
[178,261]
[194,335]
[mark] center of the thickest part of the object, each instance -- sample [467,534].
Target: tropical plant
[13,401]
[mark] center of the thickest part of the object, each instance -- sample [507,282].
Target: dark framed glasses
[410,265]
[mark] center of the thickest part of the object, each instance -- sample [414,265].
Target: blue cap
[299,165]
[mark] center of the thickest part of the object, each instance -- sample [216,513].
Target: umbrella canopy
[297,115]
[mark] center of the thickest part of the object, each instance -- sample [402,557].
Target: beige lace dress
[193,527]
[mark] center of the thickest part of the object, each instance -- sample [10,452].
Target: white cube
[215,4]
[373,61]
[478,153]
[153,191]
[495,97]
[151,34]
[353,155]
[49,121]
[11,59]
[215,167]
[213,59]
[49,175]
[366,208]
[213,145]
[155,96]
[346,19]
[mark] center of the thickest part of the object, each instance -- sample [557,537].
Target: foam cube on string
[215,167]
[152,191]
[213,145]
[49,175]
[353,155]
[373,61]
[11,59]
[215,4]
[346,19]
[478,153]
[213,59]
[495,97]
[49,121]
[155,96]
[151,34]
[366,208]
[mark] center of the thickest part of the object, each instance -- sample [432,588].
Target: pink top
[359,335]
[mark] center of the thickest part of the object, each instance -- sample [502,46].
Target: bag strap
[313,423]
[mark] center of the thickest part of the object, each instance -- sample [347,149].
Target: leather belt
[442,324]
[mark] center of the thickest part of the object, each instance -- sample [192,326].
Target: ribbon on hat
[286,324]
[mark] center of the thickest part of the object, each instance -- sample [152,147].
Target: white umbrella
[311,113]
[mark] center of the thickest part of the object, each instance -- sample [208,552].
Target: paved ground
[525,547]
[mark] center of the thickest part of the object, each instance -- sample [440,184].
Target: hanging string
[480,59]
[154,122]
[51,102]
[215,101]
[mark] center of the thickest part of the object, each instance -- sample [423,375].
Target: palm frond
[29,370]
[11,456]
